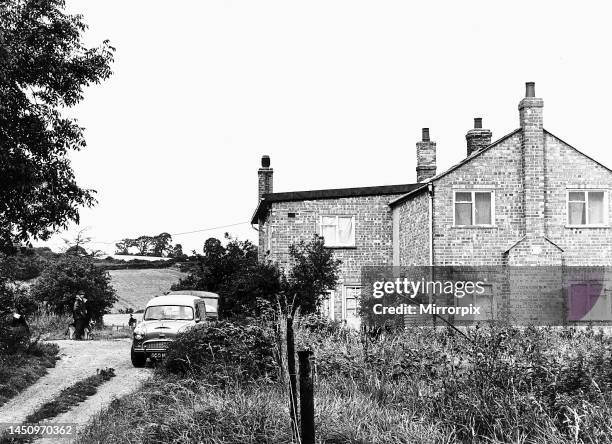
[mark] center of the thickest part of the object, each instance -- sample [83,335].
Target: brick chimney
[426,157]
[264,175]
[532,151]
[477,138]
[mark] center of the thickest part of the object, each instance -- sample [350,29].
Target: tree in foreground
[65,278]
[314,271]
[44,68]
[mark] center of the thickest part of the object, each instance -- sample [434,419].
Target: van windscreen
[169,312]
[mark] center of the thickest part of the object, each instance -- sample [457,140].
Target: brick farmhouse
[528,198]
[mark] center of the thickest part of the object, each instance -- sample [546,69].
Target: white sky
[335,91]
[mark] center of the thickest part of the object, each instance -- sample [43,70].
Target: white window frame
[351,243]
[473,191]
[606,222]
[344,297]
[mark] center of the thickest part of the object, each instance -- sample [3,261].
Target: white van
[165,317]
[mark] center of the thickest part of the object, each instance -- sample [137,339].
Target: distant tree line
[157,246]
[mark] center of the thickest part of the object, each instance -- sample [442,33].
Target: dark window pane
[463,197]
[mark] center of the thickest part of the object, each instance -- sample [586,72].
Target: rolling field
[136,287]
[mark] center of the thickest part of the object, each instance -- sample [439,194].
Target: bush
[247,285]
[25,265]
[223,352]
[14,298]
[243,283]
[314,272]
[320,325]
[64,279]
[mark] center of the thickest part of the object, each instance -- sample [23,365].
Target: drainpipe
[431,237]
[431,223]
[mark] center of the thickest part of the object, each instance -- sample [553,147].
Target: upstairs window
[338,231]
[473,208]
[587,208]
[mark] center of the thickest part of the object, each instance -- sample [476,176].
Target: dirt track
[79,359]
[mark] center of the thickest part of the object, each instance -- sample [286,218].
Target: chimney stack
[532,152]
[426,157]
[477,138]
[530,109]
[264,175]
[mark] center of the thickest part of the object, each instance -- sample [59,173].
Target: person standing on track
[79,313]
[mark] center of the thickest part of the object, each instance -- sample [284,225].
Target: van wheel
[138,359]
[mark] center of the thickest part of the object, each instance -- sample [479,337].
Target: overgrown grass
[51,326]
[504,385]
[187,411]
[19,371]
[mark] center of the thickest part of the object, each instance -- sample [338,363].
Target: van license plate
[158,355]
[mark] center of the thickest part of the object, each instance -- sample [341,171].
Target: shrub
[25,265]
[246,285]
[64,279]
[243,283]
[314,272]
[14,298]
[223,352]
[320,325]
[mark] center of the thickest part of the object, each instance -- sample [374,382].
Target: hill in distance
[136,287]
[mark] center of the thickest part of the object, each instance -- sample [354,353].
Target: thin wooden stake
[306,398]
[292,379]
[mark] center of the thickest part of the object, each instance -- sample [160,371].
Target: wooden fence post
[306,398]
[292,378]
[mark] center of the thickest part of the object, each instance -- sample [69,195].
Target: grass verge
[187,411]
[19,371]
[71,396]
